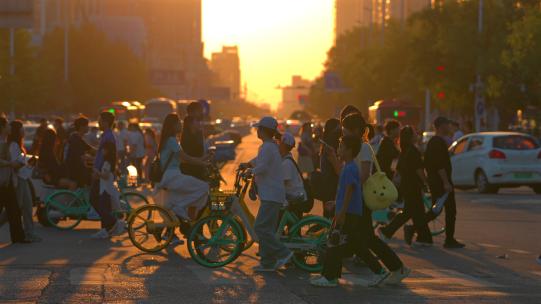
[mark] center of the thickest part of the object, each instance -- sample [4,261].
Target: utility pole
[66,40]
[479,105]
[427,109]
[12,69]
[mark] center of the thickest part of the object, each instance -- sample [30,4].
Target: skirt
[180,191]
[306,164]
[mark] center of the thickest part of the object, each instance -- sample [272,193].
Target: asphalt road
[497,266]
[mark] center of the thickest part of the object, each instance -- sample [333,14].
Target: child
[354,125]
[349,209]
[269,178]
[107,176]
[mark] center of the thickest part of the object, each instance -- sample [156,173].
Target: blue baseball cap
[267,122]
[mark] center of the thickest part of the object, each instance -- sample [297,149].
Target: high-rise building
[166,34]
[225,67]
[353,13]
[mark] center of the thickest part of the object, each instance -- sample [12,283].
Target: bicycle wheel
[247,243]
[215,241]
[437,225]
[130,201]
[65,210]
[151,228]
[312,233]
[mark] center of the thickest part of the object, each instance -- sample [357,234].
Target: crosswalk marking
[456,278]
[489,245]
[519,251]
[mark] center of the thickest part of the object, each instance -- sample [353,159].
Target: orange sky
[276,39]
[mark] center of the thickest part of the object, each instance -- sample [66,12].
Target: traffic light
[399,114]
[440,95]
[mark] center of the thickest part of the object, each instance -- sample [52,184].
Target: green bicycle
[65,209]
[220,238]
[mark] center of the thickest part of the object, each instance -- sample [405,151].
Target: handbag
[379,192]
[156,170]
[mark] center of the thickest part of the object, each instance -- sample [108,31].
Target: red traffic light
[440,68]
[440,95]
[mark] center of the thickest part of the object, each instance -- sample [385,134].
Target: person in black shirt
[77,148]
[331,137]
[439,171]
[411,170]
[193,141]
[387,151]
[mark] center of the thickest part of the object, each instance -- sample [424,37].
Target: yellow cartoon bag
[379,192]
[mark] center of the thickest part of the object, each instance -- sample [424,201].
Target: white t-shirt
[292,179]
[136,141]
[121,140]
[365,155]
[269,177]
[17,155]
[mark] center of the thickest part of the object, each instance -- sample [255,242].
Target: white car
[492,160]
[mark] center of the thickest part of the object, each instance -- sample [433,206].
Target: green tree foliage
[100,71]
[406,61]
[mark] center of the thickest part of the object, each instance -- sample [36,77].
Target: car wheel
[482,184]
[537,189]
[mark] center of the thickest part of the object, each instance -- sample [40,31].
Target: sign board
[16,13]
[333,83]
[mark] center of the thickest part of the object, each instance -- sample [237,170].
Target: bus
[157,108]
[123,110]
[404,112]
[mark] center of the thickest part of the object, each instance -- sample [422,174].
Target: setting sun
[276,39]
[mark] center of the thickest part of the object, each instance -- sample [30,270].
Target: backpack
[308,204]
[156,170]
[379,192]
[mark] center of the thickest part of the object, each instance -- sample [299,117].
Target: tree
[100,71]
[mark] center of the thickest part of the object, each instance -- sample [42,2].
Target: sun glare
[276,39]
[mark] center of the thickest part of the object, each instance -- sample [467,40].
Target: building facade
[353,13]
[225,67]
[294,96]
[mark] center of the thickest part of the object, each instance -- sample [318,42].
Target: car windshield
[515,142]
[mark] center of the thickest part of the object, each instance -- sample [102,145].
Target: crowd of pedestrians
[341,158]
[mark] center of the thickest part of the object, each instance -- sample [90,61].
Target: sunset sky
[276,39]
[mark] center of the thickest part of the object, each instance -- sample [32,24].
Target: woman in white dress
[181,191]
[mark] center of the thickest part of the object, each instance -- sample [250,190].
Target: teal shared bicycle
[65,209]
[219,238]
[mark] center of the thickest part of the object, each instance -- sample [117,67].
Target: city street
[501,233]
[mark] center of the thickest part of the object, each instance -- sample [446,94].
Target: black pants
[102,205]
[414,209]
[8,201]
[332,265]
[372,246]
[450,212]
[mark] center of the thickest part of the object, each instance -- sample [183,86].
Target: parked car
[489,161]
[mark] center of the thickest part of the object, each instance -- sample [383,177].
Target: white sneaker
[118,228]
[101,234]
[282,262]
[321,281]
[377,279]
[261,268]
[397,276]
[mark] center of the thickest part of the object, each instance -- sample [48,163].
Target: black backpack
[308,204]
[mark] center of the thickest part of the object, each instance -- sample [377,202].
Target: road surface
[498,265]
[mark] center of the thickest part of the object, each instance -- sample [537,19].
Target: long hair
[170,128]
[15,134]
[406,137]
[331,132]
